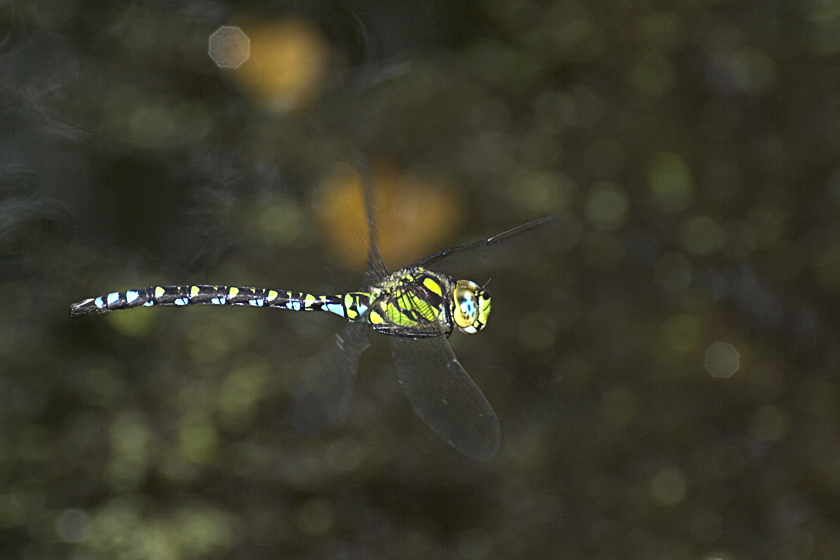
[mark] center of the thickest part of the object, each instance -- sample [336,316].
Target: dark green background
[692,146]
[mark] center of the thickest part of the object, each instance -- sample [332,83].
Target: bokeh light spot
[151,126]
[768,225]
[316,517]
[653,75]
[130,442]
[538,331]
[607,207]
[619,407]
[103,385]
[542,191]
[16,505]
[239,394]
[198,438]
[681,333]
[668,487]
[72,525]
[722,359]
[663,30]
[132,324]
[229,47]
[415,215]
[287,65]
[747,70]
[670,181]
[701,235]
[203,530]
[113,524]
[756,71]
[769,423]
[276,219]
[673,272]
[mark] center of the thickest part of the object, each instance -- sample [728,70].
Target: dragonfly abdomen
[351,305]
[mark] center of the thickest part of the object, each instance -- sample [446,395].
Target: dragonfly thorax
[418,303]
[470,306]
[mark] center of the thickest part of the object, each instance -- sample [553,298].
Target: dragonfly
[416,306]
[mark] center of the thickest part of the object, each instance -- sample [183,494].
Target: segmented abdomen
[352,305]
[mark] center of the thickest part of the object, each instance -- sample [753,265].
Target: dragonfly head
[470,306]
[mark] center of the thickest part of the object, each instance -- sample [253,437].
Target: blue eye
[468,307]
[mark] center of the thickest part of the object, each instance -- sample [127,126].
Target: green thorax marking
[412,302]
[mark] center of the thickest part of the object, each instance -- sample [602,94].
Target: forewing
[506,248]
[445,397]
[323,393]
[375,269]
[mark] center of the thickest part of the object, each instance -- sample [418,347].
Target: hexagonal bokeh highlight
[229,47]
[722,359]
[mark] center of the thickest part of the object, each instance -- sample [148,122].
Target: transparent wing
[375,269]
[323,393]
[510,245]
[445,397]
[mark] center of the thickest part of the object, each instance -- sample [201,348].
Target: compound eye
[471,306]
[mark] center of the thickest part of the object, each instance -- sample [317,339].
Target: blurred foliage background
[665,371]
